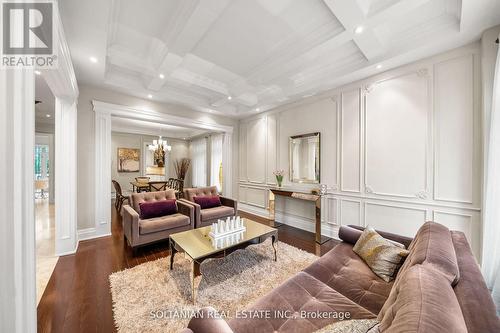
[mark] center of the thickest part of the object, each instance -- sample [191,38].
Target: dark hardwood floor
[78,298]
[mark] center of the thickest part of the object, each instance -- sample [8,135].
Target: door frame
[104,112]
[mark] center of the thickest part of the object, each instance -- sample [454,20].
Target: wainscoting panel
[256,196]
[454,116]
[256,150]
[461,221]
[242,148]
[242,194]
[350,212]
[350,150]
[397,112]
[398,219]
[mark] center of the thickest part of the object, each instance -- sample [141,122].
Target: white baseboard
[253,210]
[307,224]
[90,233]
[300,222]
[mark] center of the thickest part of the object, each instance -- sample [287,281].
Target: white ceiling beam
[351,15]
[193,19]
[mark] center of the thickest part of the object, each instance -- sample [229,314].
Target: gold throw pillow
[383,257]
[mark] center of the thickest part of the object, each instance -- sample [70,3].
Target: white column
[65,177]
[102,173]
[17,217]
[227,164]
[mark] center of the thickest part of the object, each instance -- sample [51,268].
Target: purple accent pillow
[157,208]
[208,201]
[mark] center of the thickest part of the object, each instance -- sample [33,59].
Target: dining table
[139,186]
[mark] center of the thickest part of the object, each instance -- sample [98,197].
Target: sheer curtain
[491,216]
[216,161]
[199,162]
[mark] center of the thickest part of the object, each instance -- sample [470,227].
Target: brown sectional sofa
[140,232]
[205,217]
[438,289]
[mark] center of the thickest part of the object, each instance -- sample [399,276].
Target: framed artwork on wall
[128,160]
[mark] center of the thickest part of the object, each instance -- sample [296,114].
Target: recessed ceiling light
[93,59]
[379,66]
[150,96]
[38,72]
[229,98]
[257,109]
[161,76]
[359,30]
[48,115]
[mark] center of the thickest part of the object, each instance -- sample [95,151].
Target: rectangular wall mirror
[305,158]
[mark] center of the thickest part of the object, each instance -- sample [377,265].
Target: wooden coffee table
[199,246]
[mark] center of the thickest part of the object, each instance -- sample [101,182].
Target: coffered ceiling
[240,57]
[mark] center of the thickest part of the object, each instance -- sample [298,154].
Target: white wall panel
[454,119]
[350,212]
[320,116]
[396,219]
[242,194]
[397,113]
[256,150]
[242,145]
[271,149]
[256,196]
[350,141]
[396,150]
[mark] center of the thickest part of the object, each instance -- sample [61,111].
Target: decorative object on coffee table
[279,176]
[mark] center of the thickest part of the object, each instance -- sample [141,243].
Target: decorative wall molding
[417,201]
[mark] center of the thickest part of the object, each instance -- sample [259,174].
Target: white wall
[180,149]
[86,133]
[397,149]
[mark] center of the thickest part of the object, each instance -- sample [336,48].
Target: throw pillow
[351,326]
[160,208]
[208,201]
[383,257]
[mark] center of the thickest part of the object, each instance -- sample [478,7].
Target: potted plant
[279,176]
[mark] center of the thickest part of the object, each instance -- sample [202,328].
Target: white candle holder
[230,226]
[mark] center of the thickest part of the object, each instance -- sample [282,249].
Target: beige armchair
[140,232]
[205,217]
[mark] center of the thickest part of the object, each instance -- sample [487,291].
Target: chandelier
[160,144]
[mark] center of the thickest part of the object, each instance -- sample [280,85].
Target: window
[41,162]
[199,162]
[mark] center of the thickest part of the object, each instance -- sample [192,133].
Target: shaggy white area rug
[152,298]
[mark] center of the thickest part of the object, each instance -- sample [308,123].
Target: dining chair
[120,198]
[158,186]
[177,185]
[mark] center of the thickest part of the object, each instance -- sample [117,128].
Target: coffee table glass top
[198,244]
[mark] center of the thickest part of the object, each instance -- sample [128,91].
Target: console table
[315,198]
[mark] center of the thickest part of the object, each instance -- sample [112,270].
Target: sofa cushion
[157,208]
[216,213]
[162,223]
[208,201]
[351,235]
[383,257]
[433,246]
[301,301]
[189,193]
[471,291]
[422,302]
[137,198]
[344,271]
